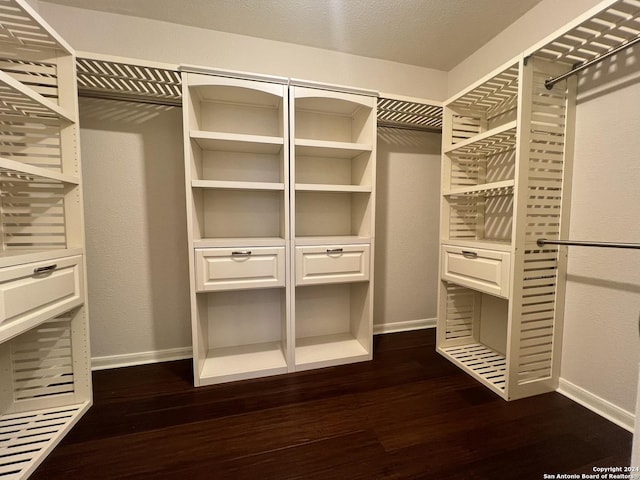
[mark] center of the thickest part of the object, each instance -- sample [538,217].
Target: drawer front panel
[332,264]
[36,288]
[239,268]
[483,270]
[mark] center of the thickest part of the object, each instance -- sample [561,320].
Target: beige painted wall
[133,37]
[407,210]
[135,221]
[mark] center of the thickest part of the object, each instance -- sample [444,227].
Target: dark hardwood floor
[407,414]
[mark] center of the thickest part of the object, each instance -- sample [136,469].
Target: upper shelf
[325,148]
[237,142]
[23,31]
[125,79]
[398,112]
[590,36]
[135,80]
[14,171]
[491,142]
[490,94]
[17,99]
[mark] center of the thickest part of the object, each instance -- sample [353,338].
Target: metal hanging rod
[543,241]
[416,128]
[549,83]
[122,97]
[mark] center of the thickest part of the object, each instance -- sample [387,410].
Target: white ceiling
[429,33]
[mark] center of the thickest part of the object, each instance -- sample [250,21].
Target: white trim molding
[405,326]
[144,358]
[140,358]
[596,404]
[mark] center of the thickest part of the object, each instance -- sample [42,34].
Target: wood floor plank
[408,414]
[354,456]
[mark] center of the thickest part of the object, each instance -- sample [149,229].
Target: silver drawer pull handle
[468,254]
[242,252]
[334,250]
[46,269]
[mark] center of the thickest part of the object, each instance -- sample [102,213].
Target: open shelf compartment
[27,437]
[243,159]
[243,334]
[486,217]
[481,362]
[333,213]
[238,213]
[474,333]
[489,104]
[332,325]
[46,388]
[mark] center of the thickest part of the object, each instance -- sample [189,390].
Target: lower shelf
[26,438]
[328,350]
[481,362]
[242,362]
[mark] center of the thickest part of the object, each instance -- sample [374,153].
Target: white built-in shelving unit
[506,180]
[333,166]
[505,175]
[45,380]
[280,199]
[237,177]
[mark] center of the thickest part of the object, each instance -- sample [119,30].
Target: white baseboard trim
[404,326]
[141,358]
[596,404]
[144,358]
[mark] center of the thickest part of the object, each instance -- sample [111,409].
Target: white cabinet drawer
[332,264]
[483,270]
[40,290]
[239,268]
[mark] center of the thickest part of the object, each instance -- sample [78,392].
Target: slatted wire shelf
[123,80]
[135,80]
[485,363]
[396,113]
[25,436]
[20,33]
[591,39]
[495,94]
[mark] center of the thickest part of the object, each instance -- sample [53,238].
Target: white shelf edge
[11,329]
[232,185]
[244,361]
[326,350]
[23,169]
[331,240]
[497,71]
[348,148]
[491,384]
[241,140]
[297,82]
[218,72]
[30,421]
[319,187]
[240,242]
[55,109]
[483,244]
[486,187]
[10,258]
[481,136]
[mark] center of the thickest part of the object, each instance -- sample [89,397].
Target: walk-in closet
[298,239]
